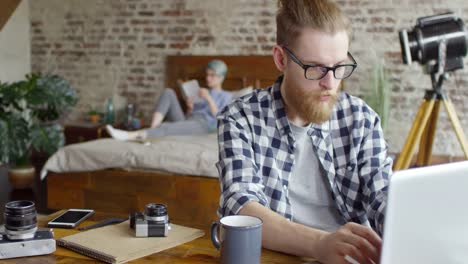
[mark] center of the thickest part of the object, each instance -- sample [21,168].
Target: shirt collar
[278,108]
[324,127]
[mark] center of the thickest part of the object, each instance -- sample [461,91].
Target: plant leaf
[28,109]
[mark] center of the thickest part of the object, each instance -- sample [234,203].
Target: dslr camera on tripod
[154,222]
[21,237]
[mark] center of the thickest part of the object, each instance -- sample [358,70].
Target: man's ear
[279,56]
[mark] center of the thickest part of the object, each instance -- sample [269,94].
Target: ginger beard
[309,105]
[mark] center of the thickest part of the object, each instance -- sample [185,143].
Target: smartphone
[70,218]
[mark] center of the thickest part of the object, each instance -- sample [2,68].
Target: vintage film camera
[154,222]
[21,238]
[435,36]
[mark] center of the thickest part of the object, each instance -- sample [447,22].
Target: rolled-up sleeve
[375,169]
[239,176]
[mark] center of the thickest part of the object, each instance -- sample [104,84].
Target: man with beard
[305,157]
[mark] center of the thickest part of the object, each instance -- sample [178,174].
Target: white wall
[15,45]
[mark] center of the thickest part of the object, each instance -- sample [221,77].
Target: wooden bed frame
[191,200]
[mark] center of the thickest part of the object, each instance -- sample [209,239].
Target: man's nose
[329,81]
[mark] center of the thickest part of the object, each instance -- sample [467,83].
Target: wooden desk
[197,251]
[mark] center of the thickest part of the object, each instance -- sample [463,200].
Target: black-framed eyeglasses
[317,72]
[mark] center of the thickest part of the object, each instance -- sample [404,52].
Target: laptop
[427,216]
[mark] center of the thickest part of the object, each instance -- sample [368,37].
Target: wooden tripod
[424,126]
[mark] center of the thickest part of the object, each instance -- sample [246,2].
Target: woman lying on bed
[200,117]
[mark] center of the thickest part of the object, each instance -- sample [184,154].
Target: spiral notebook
[118,244]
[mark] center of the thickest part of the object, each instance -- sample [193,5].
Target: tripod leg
[456,126]
[425,110]
[427,140]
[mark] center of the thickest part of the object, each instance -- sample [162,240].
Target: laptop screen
[427,216]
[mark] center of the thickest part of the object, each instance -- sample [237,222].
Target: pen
[106,222]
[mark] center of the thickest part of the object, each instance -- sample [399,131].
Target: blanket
[188,155]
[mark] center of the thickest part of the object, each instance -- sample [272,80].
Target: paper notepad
[118,244]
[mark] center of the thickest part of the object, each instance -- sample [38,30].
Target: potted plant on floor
[378,93]
[29,114]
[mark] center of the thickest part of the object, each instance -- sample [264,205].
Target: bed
[126,185]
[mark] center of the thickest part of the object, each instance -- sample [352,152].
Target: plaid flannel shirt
[256,156]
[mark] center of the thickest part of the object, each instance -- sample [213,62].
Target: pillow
[241,92]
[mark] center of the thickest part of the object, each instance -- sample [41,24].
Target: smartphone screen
[71,218]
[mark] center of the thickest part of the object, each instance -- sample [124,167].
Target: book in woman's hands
[191,89]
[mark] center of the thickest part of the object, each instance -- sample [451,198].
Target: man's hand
[356,241]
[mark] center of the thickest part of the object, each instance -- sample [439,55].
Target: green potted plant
[29,111]
[141,118]
[378,94]
[94,116]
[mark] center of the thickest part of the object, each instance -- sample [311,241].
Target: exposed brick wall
[110,47]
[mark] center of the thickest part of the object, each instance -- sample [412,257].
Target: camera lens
[155,210]
[20,220]
[409,46]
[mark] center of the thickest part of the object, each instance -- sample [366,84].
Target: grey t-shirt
[309,191]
